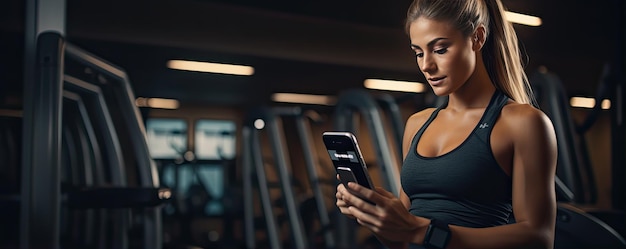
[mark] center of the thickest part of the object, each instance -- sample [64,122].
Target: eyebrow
[430,44]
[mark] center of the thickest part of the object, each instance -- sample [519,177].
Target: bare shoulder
[524,114]
[525,121]
[418,119]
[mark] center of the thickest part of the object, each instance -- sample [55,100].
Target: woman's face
[443,54]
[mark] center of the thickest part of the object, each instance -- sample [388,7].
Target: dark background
[306,46]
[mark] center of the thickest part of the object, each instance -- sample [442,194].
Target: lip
[435,81]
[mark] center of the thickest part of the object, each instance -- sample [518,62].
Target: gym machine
[269,120]
[575,227]
[91,87]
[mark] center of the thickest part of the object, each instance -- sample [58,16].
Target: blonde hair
[501,52]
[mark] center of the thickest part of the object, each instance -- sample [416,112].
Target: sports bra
[465,186]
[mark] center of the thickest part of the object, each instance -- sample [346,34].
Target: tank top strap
[426,124]
[484,127]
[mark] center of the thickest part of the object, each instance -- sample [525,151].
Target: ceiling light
[259,124]
[394,85]
[522,19]
[300,98]
[209,67]
[157,103]
[589,103]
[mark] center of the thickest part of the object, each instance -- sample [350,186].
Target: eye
[419,54]
[441,51]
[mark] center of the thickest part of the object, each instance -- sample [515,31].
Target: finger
[366,193]
[358,188]
[341,204]
[350,200]
[341,188]
[346,196]
[357,200]
[364,217]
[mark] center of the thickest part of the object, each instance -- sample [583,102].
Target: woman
[477,162]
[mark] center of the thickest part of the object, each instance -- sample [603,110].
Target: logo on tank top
[483,126]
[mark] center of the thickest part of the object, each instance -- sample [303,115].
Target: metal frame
[147,170]
[112,148]
[577,229]
[93,174]
[277,143]
[389,106]
[304,132]
[112,152]
[41,193]
[92,171]
[253,164]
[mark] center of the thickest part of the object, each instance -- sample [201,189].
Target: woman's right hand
[341,204]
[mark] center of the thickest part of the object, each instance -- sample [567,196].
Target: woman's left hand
[388,219]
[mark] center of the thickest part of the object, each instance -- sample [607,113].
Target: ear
[478,38]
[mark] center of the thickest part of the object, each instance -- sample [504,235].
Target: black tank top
[464,187]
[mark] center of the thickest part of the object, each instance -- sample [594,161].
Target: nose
[428,64]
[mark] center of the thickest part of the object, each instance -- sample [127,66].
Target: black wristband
[437,235]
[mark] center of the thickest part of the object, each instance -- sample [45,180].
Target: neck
[476,92]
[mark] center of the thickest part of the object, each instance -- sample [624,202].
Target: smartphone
[347,159]
[346,175]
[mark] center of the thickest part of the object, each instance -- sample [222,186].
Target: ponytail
[503,58]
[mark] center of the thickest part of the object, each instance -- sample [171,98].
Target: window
[215,139]
[167,138]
